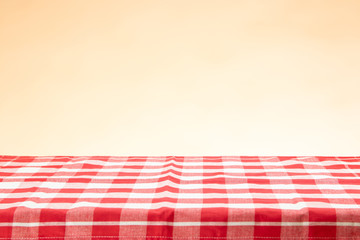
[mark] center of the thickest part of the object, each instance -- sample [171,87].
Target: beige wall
[180,77]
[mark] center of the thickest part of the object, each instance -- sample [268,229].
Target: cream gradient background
[195,77]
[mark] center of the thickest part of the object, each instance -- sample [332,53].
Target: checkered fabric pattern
[173,197]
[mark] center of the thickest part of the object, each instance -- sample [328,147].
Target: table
[179,197]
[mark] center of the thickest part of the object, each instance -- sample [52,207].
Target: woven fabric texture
[176,197]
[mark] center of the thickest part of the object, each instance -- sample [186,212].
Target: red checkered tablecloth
[174,197]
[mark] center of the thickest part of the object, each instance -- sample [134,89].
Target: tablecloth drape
[176,197]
